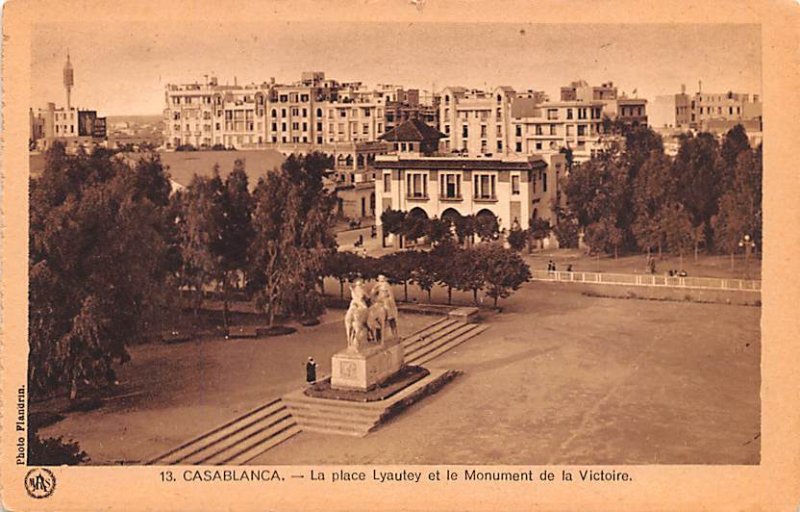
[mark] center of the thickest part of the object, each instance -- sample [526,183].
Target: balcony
[417,197]
[451,199]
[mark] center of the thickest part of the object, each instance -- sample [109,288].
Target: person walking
[311,371]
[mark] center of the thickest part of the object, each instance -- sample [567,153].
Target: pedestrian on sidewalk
[311,371]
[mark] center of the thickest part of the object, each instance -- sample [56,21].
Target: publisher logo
[40,483]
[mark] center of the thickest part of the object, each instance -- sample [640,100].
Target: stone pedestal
[366,368]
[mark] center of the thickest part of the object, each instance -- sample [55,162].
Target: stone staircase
[438,338]
[253,433]
[349,418]
[237,441]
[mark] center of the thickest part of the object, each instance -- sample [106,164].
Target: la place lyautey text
[389,476]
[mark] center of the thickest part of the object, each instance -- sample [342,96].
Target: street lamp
[748,246]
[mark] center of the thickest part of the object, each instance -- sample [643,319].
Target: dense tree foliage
[636,197]
[100,265]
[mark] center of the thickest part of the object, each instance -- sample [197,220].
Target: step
[217,433]
[255,439]
[425,331]
[452,330]
[332,409]
[441,330]
[424,358]
[428,355]
[299,399]
[251,453]
[258,429]
[455,333]
[322,426]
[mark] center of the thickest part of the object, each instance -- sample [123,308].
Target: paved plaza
[560,378]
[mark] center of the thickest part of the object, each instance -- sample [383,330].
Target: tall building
[416,178]
[620,107]
[714,112]
[71,126]
[551,126]
[476,122]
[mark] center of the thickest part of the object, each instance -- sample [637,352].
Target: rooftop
[412,130]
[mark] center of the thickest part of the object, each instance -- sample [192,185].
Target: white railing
[709,283]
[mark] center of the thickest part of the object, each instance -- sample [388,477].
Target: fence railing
[709,283]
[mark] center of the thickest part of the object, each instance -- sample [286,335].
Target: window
[499,145]
[465,131]
[581,130]
[570,130]
[417,185]
[552,114]
[552,129]
[519,147]
[483,186]
[569,113]
[450,186]
[519,130]
[387,182]
[515,185]
[544,182]
[539,146]
[538,129]
[365,129]
[483,132]
[447,129]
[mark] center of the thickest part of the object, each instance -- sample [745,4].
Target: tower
[69,81]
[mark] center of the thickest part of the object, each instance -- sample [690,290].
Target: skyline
[122,69]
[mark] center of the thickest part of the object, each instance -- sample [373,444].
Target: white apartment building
[577,125]
[476,122]
[512,188]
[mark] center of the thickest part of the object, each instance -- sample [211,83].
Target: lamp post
[748,244]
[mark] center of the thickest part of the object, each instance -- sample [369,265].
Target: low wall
[739,297]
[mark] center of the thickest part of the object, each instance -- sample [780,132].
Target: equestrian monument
[374,352]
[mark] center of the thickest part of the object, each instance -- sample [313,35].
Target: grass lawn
[561,378]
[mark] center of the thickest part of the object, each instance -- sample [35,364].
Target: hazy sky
[123,68]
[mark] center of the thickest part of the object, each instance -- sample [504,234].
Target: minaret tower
[69,81]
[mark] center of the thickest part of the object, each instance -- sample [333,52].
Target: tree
[445,258]
[603,236]
[678,229]
[653,189]
[504,271]
[423,273]
[235,234]
[438,231]
[414,227]
[201,228]
[734,143]
[517,237]
[344,266]
[740,208]
[465,228]
[470,272]
[539,230]
[293,221]
[100,268]
[698,175]
[393,221]
[487,227]
[398,268]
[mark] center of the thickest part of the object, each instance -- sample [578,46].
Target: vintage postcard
[400,255]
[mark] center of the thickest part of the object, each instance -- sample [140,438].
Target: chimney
[683,88]
[700,86]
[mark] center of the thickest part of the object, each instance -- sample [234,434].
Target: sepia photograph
[272,250]
[369,247]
